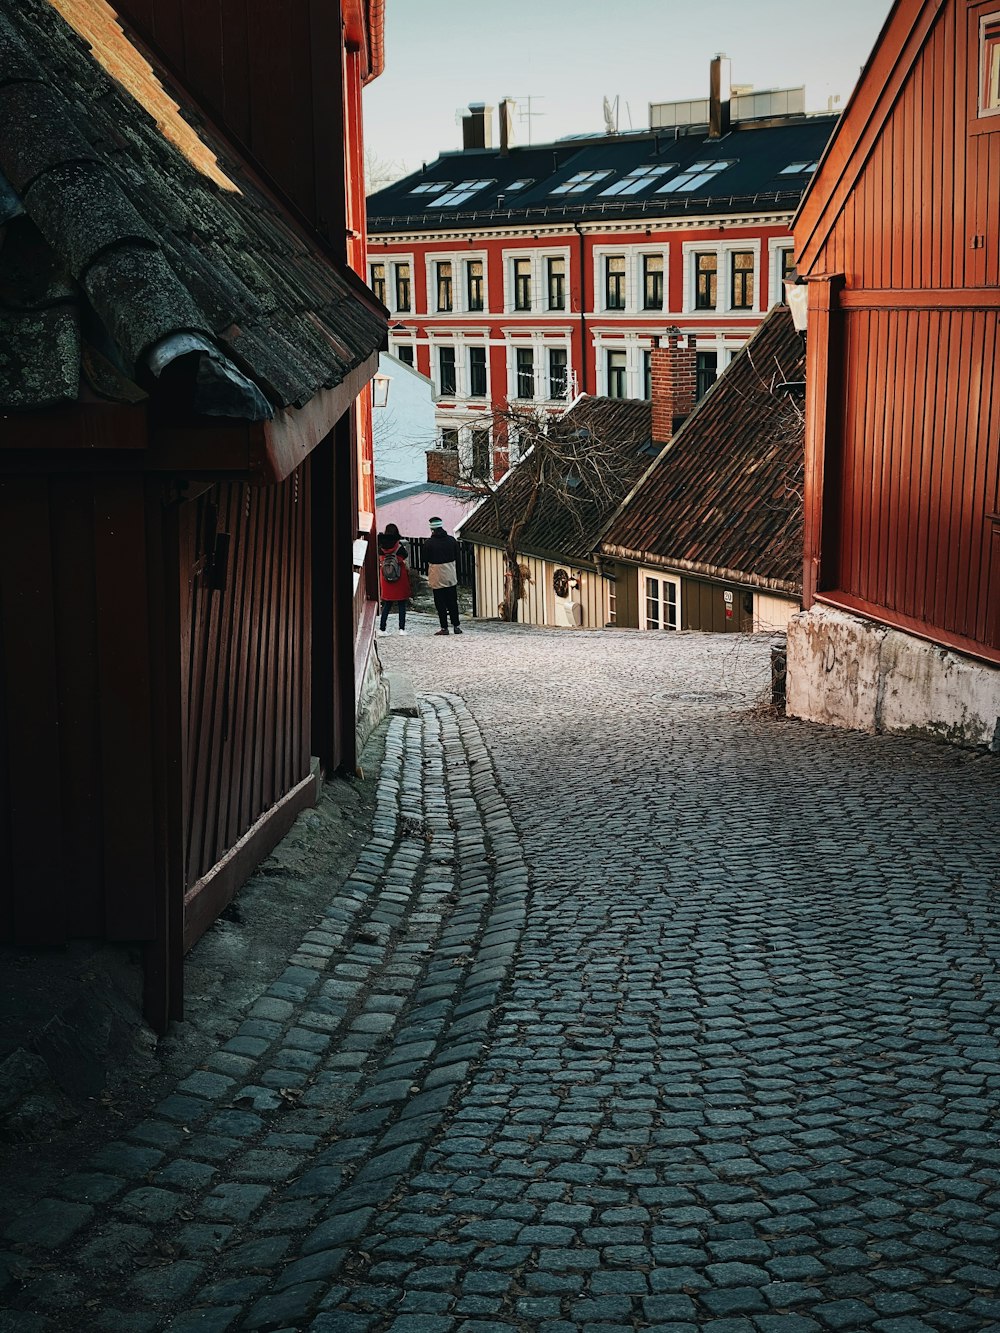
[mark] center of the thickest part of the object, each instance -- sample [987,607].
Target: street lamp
[797,299]
[380,390]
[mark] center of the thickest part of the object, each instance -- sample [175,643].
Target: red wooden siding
[76,750]
[928,186]
[246,668]
[920,480]
[902,454]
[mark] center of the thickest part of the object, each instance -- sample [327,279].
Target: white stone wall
[844,671]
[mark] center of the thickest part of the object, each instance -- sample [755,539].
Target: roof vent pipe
[477,126]
[720,83]
[506,125]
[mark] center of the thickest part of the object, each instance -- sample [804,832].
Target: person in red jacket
[393,576]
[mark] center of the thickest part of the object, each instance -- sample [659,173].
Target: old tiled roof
[567,523]
[119,233]
[725,497]
[524,184]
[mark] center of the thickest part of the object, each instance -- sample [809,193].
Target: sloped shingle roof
[725,496]
[570,530]
[115,239]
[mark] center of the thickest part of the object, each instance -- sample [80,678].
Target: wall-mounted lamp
[380,390]
[797,299]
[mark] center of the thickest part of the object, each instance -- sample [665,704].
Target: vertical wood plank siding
[76,850]
[912,467]
[921,480]
[246,671]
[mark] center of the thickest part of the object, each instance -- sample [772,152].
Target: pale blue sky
[569,54]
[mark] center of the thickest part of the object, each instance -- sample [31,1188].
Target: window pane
[402,286]
[652,282]
[652,603]
[405,353]
[557,284]
[444,286]
[614,273]
[617,375]
[557,372]
[449,438]
[705,373]
[706,275]
[989,97]
[522,284]
[742,285]
[525,373]
[477,372]
[481,453]
[446,368]
[474,280]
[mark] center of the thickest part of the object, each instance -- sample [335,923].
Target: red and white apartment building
[529,275]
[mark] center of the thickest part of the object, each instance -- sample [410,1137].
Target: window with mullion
[474,284]
[477,372]
[444,285]
[706,371]
[522,284]
[617,375]
[614,282]
[525,364]
[652,282]
[404,353]
[446,372]
[741,280]
[558,376]
[556,270]
[378,282]
[706,274]
[402,286]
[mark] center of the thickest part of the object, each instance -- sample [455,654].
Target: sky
[567,55]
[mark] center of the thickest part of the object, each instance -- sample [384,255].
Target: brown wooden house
[711,537]
[898,239]
[185,464]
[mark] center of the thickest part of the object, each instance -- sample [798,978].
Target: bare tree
[381,171]
[569,475]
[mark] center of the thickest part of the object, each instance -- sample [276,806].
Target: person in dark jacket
[393,592]
[441,556]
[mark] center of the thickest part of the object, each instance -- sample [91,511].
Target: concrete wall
[844,671]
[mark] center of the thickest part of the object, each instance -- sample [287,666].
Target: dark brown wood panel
[36,884]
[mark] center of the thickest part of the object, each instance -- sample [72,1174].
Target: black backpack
[390,567]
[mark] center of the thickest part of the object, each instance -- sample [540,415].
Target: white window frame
[467,345]
[539,280]
[662,577]
[459,282]
[776,247]
[633,345]
[391,262]
[540,342]
[723,250]
[634,284]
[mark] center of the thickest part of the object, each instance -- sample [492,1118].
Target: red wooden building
[898,239]
[186,488]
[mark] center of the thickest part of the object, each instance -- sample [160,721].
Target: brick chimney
[673,374]
[442,467]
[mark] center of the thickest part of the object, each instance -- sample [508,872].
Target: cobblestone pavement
[643,1009]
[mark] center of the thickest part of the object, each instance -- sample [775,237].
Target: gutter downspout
[584,379]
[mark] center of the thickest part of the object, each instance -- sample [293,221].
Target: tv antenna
[525,112]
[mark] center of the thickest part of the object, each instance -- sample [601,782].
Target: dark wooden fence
[466,563]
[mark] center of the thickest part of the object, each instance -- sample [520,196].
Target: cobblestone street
[644,1008]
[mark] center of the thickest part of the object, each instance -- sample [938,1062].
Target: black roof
[114,242]
[747,171]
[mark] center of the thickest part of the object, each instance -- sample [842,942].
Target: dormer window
[693,177]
